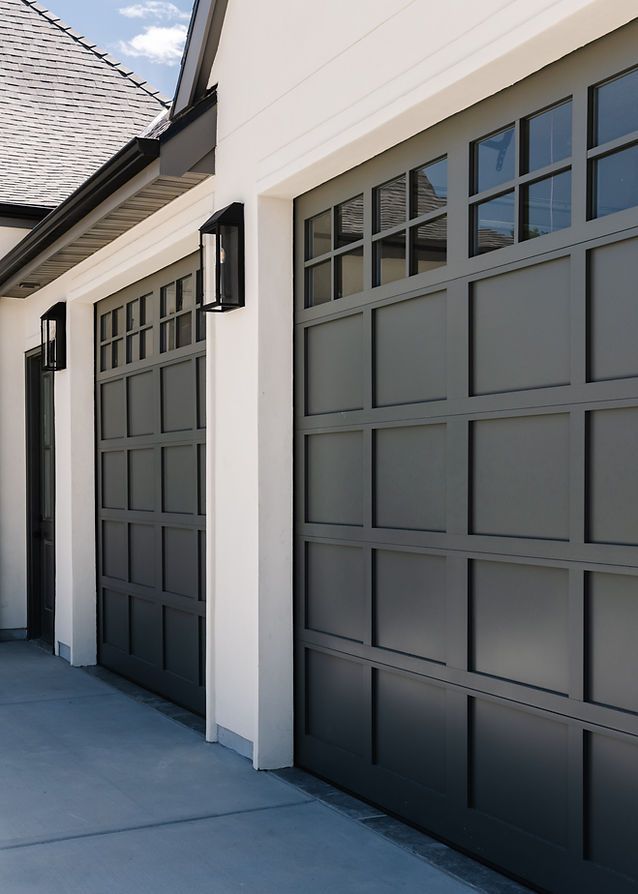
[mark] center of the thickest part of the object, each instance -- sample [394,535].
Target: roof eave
[202,42]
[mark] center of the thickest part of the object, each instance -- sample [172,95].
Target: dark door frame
[33,416]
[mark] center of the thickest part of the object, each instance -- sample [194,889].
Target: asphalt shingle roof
[66,106]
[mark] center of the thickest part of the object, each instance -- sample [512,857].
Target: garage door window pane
[494,158]
[494,224]
[389,204]
[616,182]
[318,285]
[349,221]
[548,137]
[389,259]
[349,273]
[428,187]
[318,235]
[547,205]
[616,108]
[429,246]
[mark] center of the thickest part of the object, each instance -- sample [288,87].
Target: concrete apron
[102,793]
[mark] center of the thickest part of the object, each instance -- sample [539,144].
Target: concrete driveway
[100,793]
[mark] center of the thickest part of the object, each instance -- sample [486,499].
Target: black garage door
[151,438]
[466,478]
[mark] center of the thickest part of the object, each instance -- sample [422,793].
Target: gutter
[125,164]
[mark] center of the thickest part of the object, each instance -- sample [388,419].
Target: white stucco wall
[10,236]
[306,91]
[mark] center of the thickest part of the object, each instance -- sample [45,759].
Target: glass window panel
[428,186]
[105,358]
[547,205]
[168,299]
[185,292]
[549,136]
[494,223]
[183,334]
[105,326]
[116,356]
[200,325]
[494,160]
[349,268]
[349,221]
[167,336]
[131,346]
[389,204]
[318,235]
[132,315]
[616,108]
[389,259]
[145,344]
[429,246]
[117,320]
[616,182]
[318,284]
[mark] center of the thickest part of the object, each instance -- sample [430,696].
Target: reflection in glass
[389,259]
[494,160]
[494,224]
[429,246]
[547,205]
[549,136]
[349,273]
[616,108]
[105,357]
[318,285]
[116,353]
[183,330]
[616,182]
[132,320]
[168,299]
[145,344]
[389,204]
[117,320]
[349,221]
[428,188]
[318,235]
[105,327]
[131,343]
[184,292]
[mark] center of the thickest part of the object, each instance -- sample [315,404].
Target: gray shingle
[66,106]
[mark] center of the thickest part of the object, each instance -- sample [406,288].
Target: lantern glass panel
[228,261]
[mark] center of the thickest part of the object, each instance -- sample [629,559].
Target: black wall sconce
[221,255]
[53,337]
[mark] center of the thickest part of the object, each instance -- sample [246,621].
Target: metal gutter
[33,213]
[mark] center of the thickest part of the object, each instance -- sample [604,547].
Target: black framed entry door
[466,394]
[41,499]
[151,439]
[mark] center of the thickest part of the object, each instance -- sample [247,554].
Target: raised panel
[335,701]
[143,554]
[178,397]
[181,652]
[334,366]
[520,329]
[115,619]
[613,311]
[145,630]
[142,404]
[409,474]
[335,589]
[114,550]
[613,483]
[179,479]
[201,392]
[409,351]
[518,769]
[409,603]
[141,480]
[520,476]
[114,479]
[519,627]
[612,626]
[113,412]
[409,728]
[334,478]
[612,802]
[180,561]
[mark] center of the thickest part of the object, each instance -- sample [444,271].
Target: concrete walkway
[101,794]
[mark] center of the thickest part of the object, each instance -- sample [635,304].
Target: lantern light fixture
[221,253]
[53,337]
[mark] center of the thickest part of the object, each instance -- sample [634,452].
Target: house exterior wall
[305,93]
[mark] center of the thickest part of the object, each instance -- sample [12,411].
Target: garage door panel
[613,311]
[337,712]
[334,478]
[612,479]
[336,590]
[150,437]
[334,366]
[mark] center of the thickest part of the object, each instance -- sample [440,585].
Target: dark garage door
[466,478]
[151,437]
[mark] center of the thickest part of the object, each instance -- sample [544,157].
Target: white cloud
[154,9]
[163,45]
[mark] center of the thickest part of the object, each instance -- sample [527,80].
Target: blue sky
[147,35]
